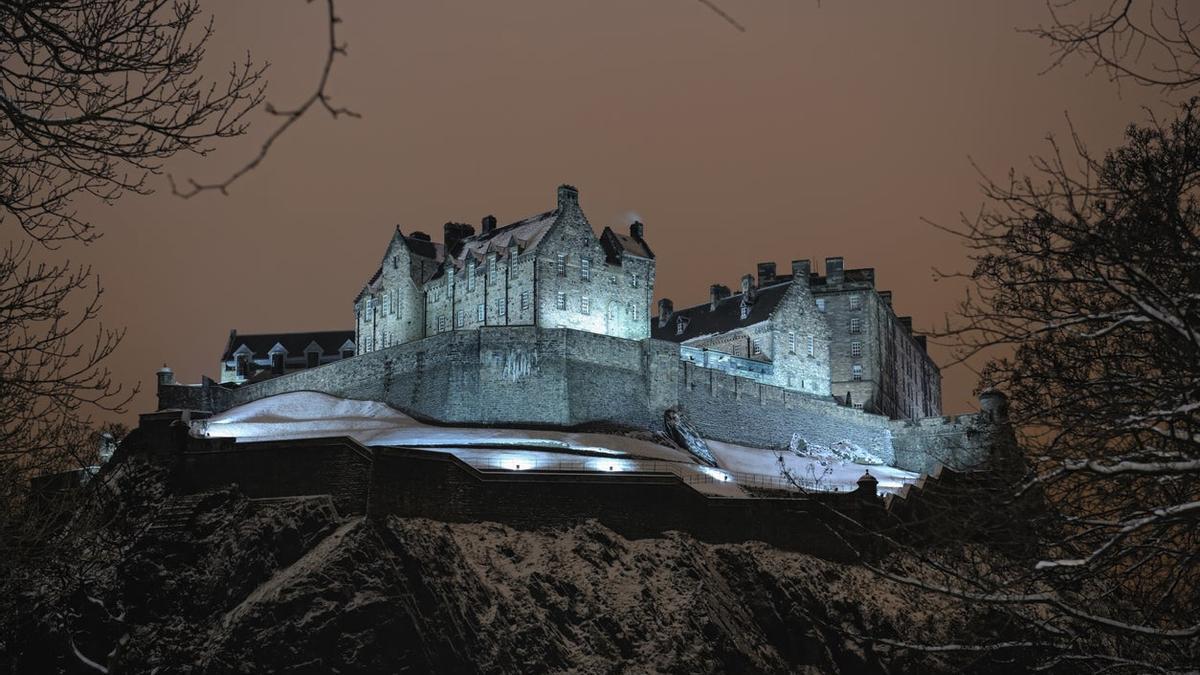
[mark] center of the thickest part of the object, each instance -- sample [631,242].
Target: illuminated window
[856,348]
[820,304]
[561,265]
[479,312]
[856,372]
[387,302]
[681,324]
[855,326]
[524,300]
[370,307]
[441,324]
[855,301]
[812,346]
[791,343]
[561,301]
[492,266]
[755,348]
[471,276]
[460,319]
[585,269]
[745,310]
[585,305]
[633,280]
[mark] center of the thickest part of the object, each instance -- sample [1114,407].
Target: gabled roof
[329,341]
[615,244]
[726,317]
[526,233]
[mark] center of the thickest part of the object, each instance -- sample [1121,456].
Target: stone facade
[526,375]
[826,335]
[547,270]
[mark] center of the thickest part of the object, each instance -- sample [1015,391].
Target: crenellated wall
[553,376]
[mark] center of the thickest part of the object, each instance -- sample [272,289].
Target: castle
[542,322]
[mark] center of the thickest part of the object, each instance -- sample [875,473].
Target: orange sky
[822,130]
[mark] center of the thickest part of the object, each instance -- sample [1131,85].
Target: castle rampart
[554,376]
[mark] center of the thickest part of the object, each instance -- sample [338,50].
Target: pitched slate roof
[727,316]
[526,233]
[615,244]
[330,342]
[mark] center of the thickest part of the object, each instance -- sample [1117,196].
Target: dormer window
[313,359]
[243,365]
[471,275]
[277,363]
[745,313]
[347,353]
[681,324]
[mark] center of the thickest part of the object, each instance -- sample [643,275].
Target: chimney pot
[766,273]
[637,229]
[833,271]
[800,270]
[666,308]
[568,197]
[716,293]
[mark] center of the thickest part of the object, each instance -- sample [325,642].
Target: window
[471,276]
[395,262]
[791,343]
[492,265]
[681,324]
[755,347]
[858,406]
[479,312]
[561,265]
[314,358]
[500,309]
[585,305]
[243,365]
[524,300]
[633,280]
[855,326]
[277,363]
[856,372]
[745,310]
[820,304]
[855,301]
[856,348]
[585,269]
[387,302]
[441,324]
[370,307]
[347,353]
[812,346]
[459,320]
[561,301]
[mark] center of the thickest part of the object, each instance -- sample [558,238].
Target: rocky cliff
[218,583]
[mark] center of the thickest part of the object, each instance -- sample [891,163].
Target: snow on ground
[315,415]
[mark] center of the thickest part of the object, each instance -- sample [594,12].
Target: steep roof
[330,342]
[701,320]
[615,244]
[527,233]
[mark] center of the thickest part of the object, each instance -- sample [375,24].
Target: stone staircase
[177,514]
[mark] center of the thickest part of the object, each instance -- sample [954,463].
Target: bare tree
[1149,42]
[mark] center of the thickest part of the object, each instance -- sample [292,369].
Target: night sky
[820,131]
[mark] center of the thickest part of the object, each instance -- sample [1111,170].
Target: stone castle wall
[528,375]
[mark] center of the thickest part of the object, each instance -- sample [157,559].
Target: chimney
[766,273]
[165,376]
[489,224]
[454,233]
[665,309]
[716,293]
[419,235]
[800,270]
[636,229]
[568,197]
[833,271]
[906,321]
[747,288]
[886,296]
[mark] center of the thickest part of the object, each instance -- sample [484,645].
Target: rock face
[224,584]
[683,433]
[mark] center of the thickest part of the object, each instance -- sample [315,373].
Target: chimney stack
[637,229]
[489,224]
[747,288]
[906,321]
[568,197]
[800,270]
[419,235]
[766,273]
[454,233]
[833,271]
[886,296]
[716,293]
[665,309]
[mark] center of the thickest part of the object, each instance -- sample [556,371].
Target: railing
[688,474]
